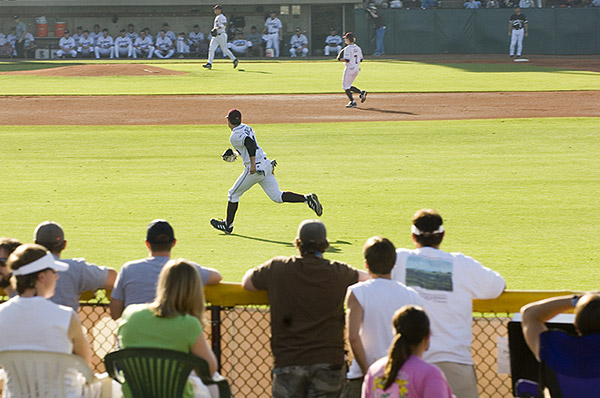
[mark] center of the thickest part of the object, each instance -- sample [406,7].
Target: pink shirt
[416,379]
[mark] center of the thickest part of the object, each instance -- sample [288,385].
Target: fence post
[215,327]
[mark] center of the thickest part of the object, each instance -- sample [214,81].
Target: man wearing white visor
[29,321]
[447,282]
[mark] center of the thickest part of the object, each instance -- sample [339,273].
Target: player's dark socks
[349,94]
[231,209]
[355,90]
[291,197]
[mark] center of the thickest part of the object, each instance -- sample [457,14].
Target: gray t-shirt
[20,28]
[136,282]
[80,277]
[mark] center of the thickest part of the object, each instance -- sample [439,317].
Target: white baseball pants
[182,47]
[328,49]
[294,51]
[160,53]
[62,53]
[85,51]
[219,40]
[349,77]
[137,52]
[516,37]
[103,52]
[272,41]
[246,181]
[124,51]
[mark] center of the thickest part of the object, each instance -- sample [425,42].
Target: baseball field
[507,152]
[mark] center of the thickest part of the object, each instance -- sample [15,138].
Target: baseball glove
[229,155]
[213,32]
[340,55]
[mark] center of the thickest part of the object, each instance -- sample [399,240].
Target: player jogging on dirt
[258,169]
[352,56]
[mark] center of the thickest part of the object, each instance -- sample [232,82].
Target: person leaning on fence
[7,246]
[403,373]
[306,295]
[30,321]
[81,275]
[536,314]
[447,282]
[173,321]
[136,282]
[371,306]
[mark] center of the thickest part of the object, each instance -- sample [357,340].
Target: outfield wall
[556,31]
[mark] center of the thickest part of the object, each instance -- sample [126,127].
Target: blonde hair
[179,291]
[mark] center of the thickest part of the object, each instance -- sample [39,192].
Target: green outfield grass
[519,195]
[263,77]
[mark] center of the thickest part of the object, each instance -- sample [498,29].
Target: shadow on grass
[332,245]
[33,65]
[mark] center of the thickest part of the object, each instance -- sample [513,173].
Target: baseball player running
[219,38]
[517,29]
[352,56]
[258,169]
[273,32]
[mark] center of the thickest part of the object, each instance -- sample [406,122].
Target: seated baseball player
[333,42]
[67,46]
[123,45]
[143,46]
[298,44]
[104,45]
[30,46]
[163,45]
[86,44]
[183,45]
[239,45]
[131,33]
[255,38]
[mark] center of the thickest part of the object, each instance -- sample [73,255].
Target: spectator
[182,45]
[163,46]
[7,246]
[20,31]
[143,46]
[81,275]
[239,45]
[491,4]
[86,44]
[298,44]
[404,373]
[396,4]
[96,34]
[306,295]
[136,282]
[131,33]
[448,282]
[273,32]
[197,41]
[123,45]
[104,45]
[333,42]
[30,321]
[379,30]
[526,4]
[594,3]
[427,4]
[169,33]
[535,315]
[472,4]
[172,321]
[67,46]
[257,43]
[371,306]
[78,34]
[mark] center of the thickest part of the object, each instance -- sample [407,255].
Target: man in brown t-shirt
[306,295]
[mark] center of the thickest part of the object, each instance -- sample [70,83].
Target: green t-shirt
[139,327]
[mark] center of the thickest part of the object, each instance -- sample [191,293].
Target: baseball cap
[272,12]
[67,31]
[48,233]
[349,35]
[160,231]
[373,7]
[312,231]
[48,261]
[122,30]
[234,116]
[217,6]
[16,17]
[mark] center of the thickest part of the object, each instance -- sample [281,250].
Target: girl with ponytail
[403,374]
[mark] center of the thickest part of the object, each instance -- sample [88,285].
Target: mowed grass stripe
[518,195]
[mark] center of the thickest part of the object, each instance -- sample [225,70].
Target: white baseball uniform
[296,43]
[183,45]
[143,46]
[196,38]
[171,35]
[95,36]
[104,46]
[133,36]
[67,46]
[86,45]
[164,47]
[239,46]
[273,26]
[333,43]
[220,40]
[123,47]
[264,170]
[353,56]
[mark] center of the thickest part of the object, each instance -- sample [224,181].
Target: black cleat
[313,202]
[363,96]
[351,104]
[235,63]
[221,225]
[207,66]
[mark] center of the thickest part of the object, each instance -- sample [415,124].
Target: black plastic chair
[159,373]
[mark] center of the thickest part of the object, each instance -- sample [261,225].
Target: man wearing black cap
[20,31]
[306,295]
[258,169]
[352,56]
[136,282]
[219,38]
[68,46]
[123,45]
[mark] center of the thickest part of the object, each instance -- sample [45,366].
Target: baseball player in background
[86,44]
[67,46]
[143,46]
[163,46]
[169,33]
[219,38]
[352,56]
[182,45]
[104,45]
[123,45]
[298,44]
[78,35]
[273,32]
[197,39]
[239,46]
[517,29]
[96,34]
[258,169]
[131,33]
[333,42]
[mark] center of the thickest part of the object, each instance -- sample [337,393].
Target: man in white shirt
[333,42]
[239,46]
[104,45]
[123,45]
[86,44]
[219,38]
[273,32]
[96,34]
[78,35]
[182,44]
[67,45]
[448,283]
[131,33]
[196,39]
[163,46]
[298,44]
[169,33]
[143,46]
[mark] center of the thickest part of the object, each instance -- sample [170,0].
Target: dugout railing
[238,325]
